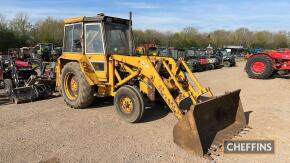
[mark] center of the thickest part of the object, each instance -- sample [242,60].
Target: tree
[138,37]
[3,22]
[219,38]
[20,32]
[280,40]
[49,30]
[7,37]
[262,40]
[21,27]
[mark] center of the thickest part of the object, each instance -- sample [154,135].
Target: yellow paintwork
[142,67]
[126,105]
[70,86]
[102,75]
[147,69]
[85,66]
[74,20]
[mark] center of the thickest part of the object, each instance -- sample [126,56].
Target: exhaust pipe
[131,41]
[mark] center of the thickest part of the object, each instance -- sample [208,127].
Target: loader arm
[203,125]
[149,68]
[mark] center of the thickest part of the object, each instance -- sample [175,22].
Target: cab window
[72,38]
[117,38]
[94,40]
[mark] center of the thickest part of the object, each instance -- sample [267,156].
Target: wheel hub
[74,84]
[258,67]
[126,105]
[71,86]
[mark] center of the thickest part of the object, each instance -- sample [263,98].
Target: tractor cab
[42,51]
[95,38]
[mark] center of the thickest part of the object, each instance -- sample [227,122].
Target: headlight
[212,60]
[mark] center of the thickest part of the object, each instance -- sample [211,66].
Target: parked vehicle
[43,51]
[196,61]
[147,49]
[263,65]
[227,60]
[164,52]
[14,52]
[25,53]
[213,62]
[193,63]
[203,63]
[56,53]
[2,71]
[14,73]
[21,82]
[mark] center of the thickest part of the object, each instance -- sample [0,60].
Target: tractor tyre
[259,67]
[143,102]
[129,103]
[77,93]
[211,67]
[8,87]
[227,64]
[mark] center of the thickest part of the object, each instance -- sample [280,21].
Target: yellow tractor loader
[98,60]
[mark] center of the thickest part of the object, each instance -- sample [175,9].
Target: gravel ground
[49,130]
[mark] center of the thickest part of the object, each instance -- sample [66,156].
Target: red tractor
[20,82]
[264,64]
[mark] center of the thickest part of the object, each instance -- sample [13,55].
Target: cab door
[95,49]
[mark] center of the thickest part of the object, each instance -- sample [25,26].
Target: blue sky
[165,15]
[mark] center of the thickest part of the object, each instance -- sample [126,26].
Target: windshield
[225,53]
[117,39]
[25,51]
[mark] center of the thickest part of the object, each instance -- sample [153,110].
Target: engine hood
[22,65]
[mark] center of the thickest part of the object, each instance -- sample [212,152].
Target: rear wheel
[210,67]
[129,103]
[8,87]
[76,91]
[259,67]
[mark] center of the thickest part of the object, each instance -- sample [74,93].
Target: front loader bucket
[208,123]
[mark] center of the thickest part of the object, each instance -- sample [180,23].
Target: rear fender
[86,68]
[267,55]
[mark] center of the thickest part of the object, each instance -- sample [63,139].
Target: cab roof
[99,18]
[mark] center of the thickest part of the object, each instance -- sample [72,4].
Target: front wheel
[129,103]
[8,87]
[227,63]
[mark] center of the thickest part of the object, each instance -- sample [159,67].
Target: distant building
[234,50]
[233,47]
